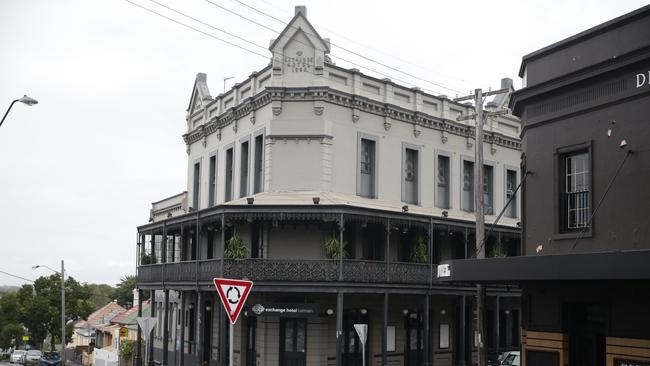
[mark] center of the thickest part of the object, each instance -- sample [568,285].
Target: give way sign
[233,294]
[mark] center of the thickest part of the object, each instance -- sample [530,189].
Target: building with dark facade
[584,267]
[304,160]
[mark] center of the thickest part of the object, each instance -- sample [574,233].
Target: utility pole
[62,313]
[479,203]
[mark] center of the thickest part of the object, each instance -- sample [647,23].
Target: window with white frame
[411,176]
[467,198]
[511,186]
[443,182]
[367,168]
[243,170]
[575,200]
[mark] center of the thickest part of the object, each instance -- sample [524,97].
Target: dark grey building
[584,269]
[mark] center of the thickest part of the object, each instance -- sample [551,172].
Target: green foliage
[419,252]
[127,349]
[10,326]
[497,251]
[332,248]
[100,294]
[235,248]
[124,291]
[145,259]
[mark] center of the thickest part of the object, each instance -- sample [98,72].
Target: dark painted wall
[579,115]
[602,43]
[621,304]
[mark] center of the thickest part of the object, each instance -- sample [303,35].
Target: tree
[100,294]
[48,300]
[124,291]
[11,329]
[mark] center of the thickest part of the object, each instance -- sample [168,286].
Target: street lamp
[62,274]
[25,100]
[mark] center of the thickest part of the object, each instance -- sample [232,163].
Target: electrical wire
[368,47]
[602,198]
[351,52]
[209,25]
[503,210]
[13,275]
[257,45]
[195,29]
[339,57]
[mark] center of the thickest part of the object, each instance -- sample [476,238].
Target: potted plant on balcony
[235,248]
[419,252]
[497,251]
[145,259]
[332,248]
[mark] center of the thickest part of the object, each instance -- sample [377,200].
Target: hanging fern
[332,248]
[419,252]
[235,248]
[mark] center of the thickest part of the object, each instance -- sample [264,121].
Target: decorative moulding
[387,125]
[443,137]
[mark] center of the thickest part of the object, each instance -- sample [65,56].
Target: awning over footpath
[611,265]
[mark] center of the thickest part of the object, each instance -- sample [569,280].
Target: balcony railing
[288,270]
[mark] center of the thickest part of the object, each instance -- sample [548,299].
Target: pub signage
[642,78]
[296,310]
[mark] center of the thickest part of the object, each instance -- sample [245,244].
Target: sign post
[147,324]
[362,332]
[233,295]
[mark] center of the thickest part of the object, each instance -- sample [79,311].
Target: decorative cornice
[277,95]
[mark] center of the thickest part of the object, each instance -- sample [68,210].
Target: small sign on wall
[624,362]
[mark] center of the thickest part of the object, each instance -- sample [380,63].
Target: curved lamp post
[25,100]
[62,274]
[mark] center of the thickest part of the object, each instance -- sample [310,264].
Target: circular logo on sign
[258,309]
[299,53]
[233,295]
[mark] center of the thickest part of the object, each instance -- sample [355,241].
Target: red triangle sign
[233,294]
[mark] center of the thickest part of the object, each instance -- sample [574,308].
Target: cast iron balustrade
[288,270]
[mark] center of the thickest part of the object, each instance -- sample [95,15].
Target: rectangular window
[228,164]
[411,176]
[213,180]
[467,198]
[197,186]
[511,185]
[575,192]
[367,168]
[442,182]
[243,170]
[259,164]
[488,189]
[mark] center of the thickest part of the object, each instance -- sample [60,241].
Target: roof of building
[129,316]
[305,198]
[103,315]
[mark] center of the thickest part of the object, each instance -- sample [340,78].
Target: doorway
[293,342]
[413,350]
[586,326]
[251,341]
[207,332]
[352,349]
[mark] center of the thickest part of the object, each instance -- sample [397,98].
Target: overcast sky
[78,172]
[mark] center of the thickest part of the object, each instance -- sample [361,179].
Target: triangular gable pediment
[299,23]
[200,94]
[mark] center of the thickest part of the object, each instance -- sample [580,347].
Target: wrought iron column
[150,337]
[200,307]
[138,342]
[387,259]
[497,332]
[223,339]
[341,229]
[384,333]
[425,338]
[339,328]
[463,331]
[182,356]
[165,358]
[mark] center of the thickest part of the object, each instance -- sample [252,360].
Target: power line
[13,275]
[344,49]
[209,25]
[196,30]
[602,198]
[351,51]
[371,48]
